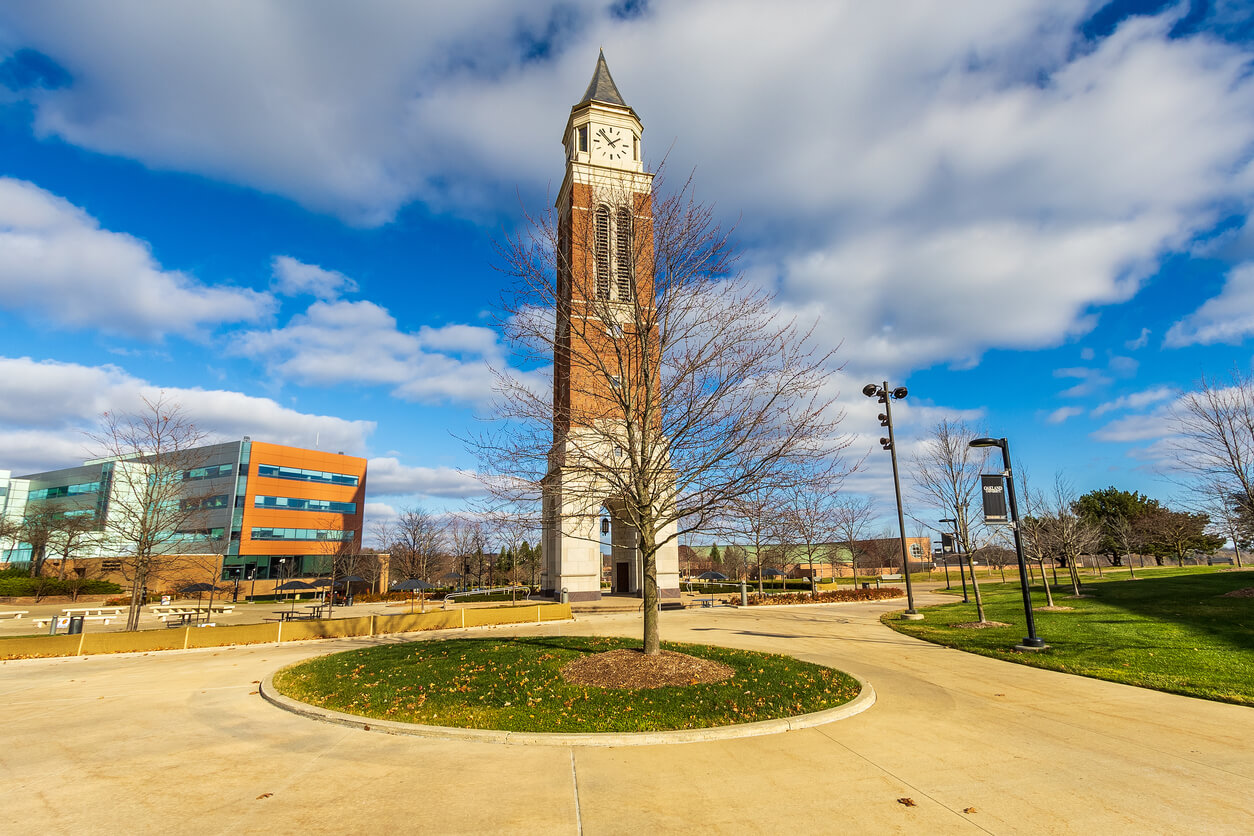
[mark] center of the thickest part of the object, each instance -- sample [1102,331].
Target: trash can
[76,624]
[565,599]
[348,601]
[866,586]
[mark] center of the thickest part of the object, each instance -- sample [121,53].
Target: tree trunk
[975,586]
[1075,577]
[137,584]
[652,645]
[1049,594]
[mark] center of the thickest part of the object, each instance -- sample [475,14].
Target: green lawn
[515,685]
[1172,631]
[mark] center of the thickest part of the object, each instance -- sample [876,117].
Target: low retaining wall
[87,644]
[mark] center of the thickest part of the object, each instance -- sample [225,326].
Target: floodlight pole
[1031,641]
[885,396]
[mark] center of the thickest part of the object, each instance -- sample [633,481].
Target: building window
[916,550]
[294,504]
[278,472]
[64,490]
[213,471]
[583,138]
[308,534]
[199,503]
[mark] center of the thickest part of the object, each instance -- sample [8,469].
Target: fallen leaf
[968,809]
[256,681]
[250,693]
[367,728]
[264,795]
[909,802]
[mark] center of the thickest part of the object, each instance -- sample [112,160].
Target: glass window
[296,473]
[64,490]
[213,471]
[295,504]
[583,138]
[309,534]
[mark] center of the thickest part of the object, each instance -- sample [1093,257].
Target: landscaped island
[546,684]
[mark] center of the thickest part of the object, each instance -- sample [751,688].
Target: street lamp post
[886,396]
[962,572]
[1031,641]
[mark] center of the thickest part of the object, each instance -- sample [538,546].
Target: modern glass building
[270,510]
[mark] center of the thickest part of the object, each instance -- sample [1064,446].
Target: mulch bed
[982,625]
[629,668]
[1248,592]
[1054,608]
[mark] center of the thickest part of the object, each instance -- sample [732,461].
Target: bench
[14,614]
[44,622]
[894,578]
[112,612]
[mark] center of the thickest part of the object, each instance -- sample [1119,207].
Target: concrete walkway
[181,741]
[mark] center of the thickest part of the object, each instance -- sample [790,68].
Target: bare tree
[1068,534]
[151,451]
[1215,429]
[676,395]
[40,525]
[756,521]
[811,515]
[852,516]
[947,478]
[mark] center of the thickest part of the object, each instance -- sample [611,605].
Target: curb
[859,704]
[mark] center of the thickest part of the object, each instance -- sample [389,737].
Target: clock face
[611,143]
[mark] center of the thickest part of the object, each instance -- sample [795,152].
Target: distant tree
[716,557]
[40,525]
[757,520]
[735,562]
[853,515]
[151,450]
[1109,509]
[947,477]
[811,515]
[1179,534]
[1068,535]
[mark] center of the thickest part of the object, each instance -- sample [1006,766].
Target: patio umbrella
[711,576]
[411,584]
[196,588]
[292,586]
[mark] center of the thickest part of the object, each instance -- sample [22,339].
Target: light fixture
[885,396]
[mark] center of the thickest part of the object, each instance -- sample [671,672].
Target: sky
[284,215]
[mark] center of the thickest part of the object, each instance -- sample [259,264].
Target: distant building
[268,510]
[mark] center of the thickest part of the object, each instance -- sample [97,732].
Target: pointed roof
[602,88]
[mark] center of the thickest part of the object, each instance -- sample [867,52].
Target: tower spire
[602,87]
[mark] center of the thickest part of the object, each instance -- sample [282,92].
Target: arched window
[603,252]
[622,255]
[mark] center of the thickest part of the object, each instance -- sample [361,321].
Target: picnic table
[112,612]
[14,614]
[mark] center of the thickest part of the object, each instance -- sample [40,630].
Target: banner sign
[947,543]
[993,488]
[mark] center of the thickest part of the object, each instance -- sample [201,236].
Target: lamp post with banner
[997,488]
[949,544]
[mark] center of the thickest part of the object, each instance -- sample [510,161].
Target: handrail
[469,592]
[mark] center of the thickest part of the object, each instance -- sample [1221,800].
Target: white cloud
[292,278]
[1227,318]
[1140,342]
[46,407]
[386,476]
[56,262]
[360,342]
[1136,400]
[970,163]
[1062,413]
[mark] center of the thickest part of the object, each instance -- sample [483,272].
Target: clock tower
[602,350]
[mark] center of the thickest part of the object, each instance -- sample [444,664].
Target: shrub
[828,597]
[21,587]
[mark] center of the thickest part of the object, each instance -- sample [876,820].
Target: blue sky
[1033,214]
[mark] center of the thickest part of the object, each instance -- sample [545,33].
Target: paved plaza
[181,741]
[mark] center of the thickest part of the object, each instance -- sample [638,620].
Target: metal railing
[526,596]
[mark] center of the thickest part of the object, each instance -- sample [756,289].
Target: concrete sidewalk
[181,740]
